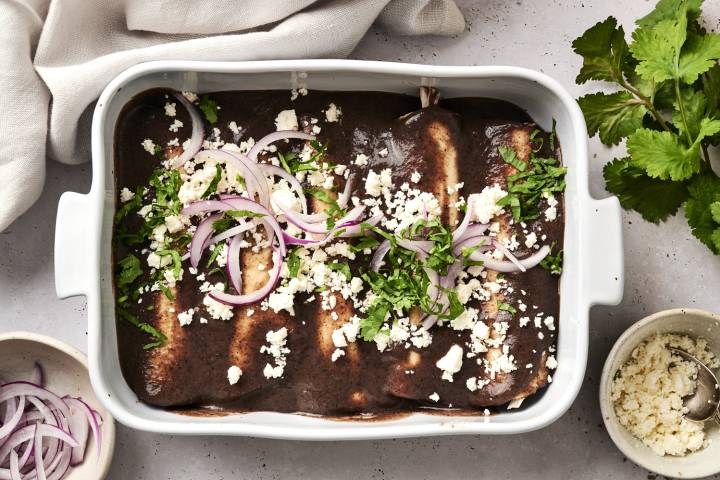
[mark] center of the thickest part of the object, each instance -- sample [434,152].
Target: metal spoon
[703,404]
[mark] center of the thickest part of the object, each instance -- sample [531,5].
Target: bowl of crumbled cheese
[642,389]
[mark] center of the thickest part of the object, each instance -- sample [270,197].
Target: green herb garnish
[668,108]
[212,187]
[553,263]
[293,263]
[342,267]
[511,158]
[209,108]
[506,307]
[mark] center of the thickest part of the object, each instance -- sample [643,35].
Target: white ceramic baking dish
[593,270]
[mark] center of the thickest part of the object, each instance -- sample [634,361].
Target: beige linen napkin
[56,57]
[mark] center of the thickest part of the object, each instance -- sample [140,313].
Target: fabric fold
[83,44]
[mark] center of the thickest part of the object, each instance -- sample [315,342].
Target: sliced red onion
[352,217]
[268,220]
[473,230]
[507,266]
[508,254]
[469,214]
[379,255]
[92,417]
[251,181]
[294,218]
[231,232]
[482,243]
[194,145]
[80,427]
[257,295]
[265,141]
[9,426]
[204,206]
[294,182]
[344,197]
[233,263]
[422,247]
[15,466]
[15,389]
[200,238]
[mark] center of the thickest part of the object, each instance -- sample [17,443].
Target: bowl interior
[694,323]
[65,374]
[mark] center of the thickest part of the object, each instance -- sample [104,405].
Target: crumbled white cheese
[126,195]
[191,96]
[361,160]
[217,310]
[170,110]
[415,177]
[337,353]
[286,120]
[530,239]
[233,374]
[175,126]
[277,341]
[648,390]
[174,223]
[332,113]
[434,397]
[186,317]
[451,363]
[149,146]
[484,204]
[551,363]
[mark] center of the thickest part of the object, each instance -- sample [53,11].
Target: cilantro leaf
[614,115]
[506,307]
[711,88]
[667,10]
[604,52]
[694,104]
[341,267]
[652,198]
[553,263]
[511,158]
[372,323]
[209,108]
[129,270]
[212,187]
[704,192]
[293,263]
[715,211]
[243,214]
[657,49]
[699,54]
[662,155]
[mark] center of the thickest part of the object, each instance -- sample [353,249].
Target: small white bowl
[66,373]
[691,322]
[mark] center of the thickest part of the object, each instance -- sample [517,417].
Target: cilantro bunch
[668,109]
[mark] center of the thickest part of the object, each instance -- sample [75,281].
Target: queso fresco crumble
[648,390]
[261,229]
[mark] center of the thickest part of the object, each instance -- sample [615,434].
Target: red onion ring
[508,254]
[507,266]
[257,295]
[198,133]
[265,141]
[379,255]
[294,182]
[200,238]
[233,263]
[482,242]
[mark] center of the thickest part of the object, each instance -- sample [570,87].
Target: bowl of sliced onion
[51,425]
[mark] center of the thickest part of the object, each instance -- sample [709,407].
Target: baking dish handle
[605,260]
[72,250]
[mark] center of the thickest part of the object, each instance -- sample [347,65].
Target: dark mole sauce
[312,384]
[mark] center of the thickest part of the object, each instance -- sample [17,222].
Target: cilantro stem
[646,101]
[681,107]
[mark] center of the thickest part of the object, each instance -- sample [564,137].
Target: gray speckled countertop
[665,268]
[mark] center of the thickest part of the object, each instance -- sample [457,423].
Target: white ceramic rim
[608,291]
[108,426]
[606,408]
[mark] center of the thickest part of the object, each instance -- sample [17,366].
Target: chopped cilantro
[510,157]
[506,307]
[342,267]
[293,263]
[209,108]
[129,271]
[212,187]
[553,263]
